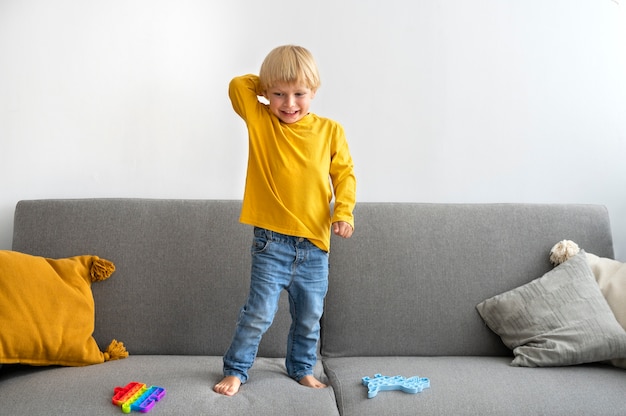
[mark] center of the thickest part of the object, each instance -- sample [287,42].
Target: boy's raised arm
[244,92]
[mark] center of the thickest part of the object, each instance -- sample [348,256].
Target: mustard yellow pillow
[47,310]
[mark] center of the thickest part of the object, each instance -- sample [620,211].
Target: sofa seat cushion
[478,386]
[188,381]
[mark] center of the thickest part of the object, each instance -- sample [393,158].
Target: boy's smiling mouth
[289,115]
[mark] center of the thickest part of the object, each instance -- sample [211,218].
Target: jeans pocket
[259,245]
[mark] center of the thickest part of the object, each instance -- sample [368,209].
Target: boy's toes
[311,381]
[229,386]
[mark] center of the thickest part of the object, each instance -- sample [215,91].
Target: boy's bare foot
[229,386]
[311,381]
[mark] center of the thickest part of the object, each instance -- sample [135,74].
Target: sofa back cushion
[408,281]
[182,269]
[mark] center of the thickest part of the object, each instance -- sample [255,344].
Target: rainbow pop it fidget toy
[137,396]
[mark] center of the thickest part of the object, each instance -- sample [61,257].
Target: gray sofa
[402,301]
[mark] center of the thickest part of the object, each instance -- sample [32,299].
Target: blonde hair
[290,64]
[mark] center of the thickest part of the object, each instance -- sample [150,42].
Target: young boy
[292,155]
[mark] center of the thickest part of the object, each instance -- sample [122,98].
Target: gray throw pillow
[561,318]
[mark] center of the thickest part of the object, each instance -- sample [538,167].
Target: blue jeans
[296,265]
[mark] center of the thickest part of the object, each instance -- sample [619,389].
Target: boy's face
[289,102]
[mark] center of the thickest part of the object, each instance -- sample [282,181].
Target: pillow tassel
[101,269]
[115,351]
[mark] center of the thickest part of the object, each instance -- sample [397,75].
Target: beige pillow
[611,277]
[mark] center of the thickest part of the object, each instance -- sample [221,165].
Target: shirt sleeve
[343,179]
[244,92]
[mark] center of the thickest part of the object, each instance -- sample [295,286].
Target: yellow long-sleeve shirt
[293,169]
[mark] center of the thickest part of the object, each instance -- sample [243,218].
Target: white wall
[442,100]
